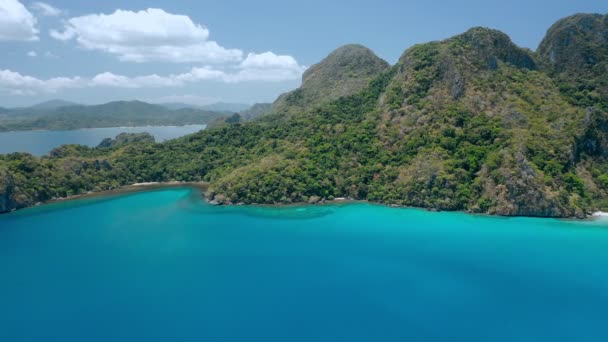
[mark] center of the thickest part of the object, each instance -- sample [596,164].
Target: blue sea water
[164,266]
[42,142]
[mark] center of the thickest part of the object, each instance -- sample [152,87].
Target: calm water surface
[42,142]
[163,266]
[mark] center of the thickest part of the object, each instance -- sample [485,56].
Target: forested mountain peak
[577,41]
[345,71]
[575,53]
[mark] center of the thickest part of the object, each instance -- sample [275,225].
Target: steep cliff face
[346,71]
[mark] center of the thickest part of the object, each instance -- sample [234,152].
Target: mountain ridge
[111,114]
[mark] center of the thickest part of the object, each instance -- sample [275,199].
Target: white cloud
[267,74]
[45,9]
[155,35]
[149,35]
[32,54]
[108,79]
[14,83]
[269,60]
[267,66]
[16,22]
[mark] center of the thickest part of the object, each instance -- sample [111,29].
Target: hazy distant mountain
[226,107]
[179,105]
[112,114]
[214,107]
[256,110]
[53,104]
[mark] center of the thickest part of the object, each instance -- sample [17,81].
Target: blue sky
[233,51]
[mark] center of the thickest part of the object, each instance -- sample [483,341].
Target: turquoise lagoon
[164,266]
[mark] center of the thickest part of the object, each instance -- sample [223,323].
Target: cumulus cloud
[45,9]
[17,84]
[32,54]
[199,74]
[148,35]
[16,22]
[155,35]
[108,79]
[267,66]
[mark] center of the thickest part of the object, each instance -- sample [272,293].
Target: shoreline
[92,128]
[127,189]
[204,186]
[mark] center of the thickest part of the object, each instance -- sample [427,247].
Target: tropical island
[472,123]
[64,115]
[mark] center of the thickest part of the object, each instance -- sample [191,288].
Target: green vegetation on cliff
[469,123]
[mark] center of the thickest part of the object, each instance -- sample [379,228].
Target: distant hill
[256,110]
[53,104]
[112,114]
[214,107]
[179,105]
[226,107]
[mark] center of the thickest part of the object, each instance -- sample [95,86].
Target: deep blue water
[42,142]
[163,266]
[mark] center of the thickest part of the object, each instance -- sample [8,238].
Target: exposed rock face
[345,71]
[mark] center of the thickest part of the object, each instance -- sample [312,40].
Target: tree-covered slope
[469,123]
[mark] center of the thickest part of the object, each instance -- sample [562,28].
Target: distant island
[472,123]
[65,115]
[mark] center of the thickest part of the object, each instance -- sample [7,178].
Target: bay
[164,266]
[42,142]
